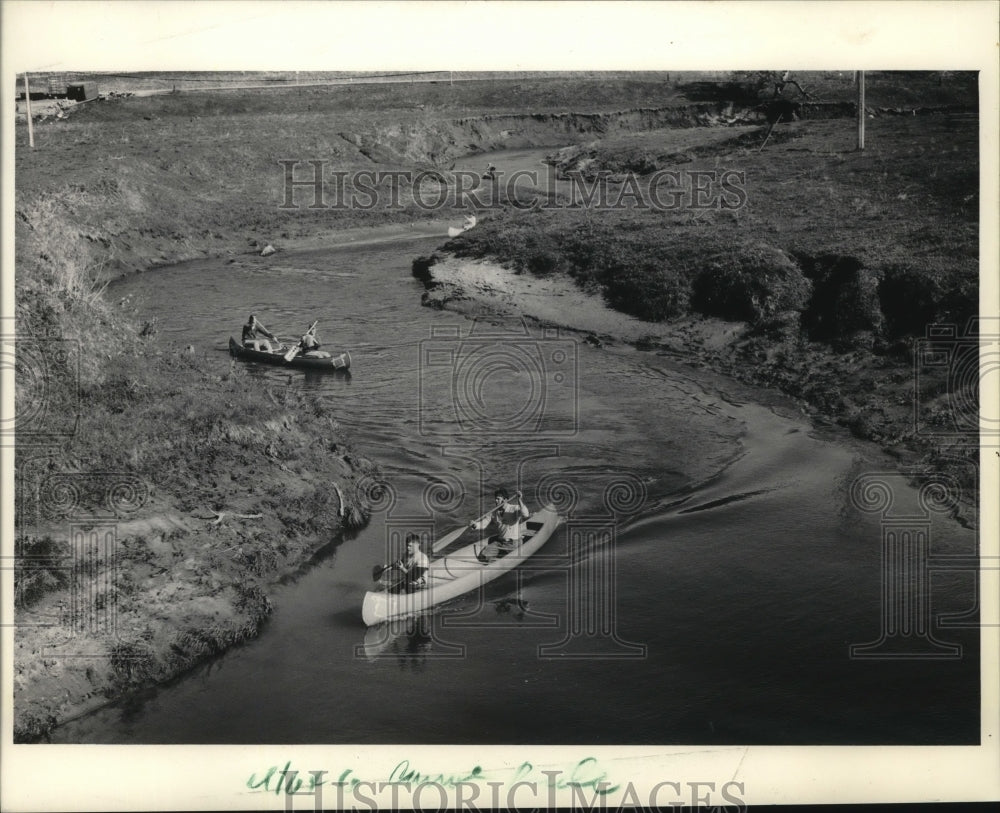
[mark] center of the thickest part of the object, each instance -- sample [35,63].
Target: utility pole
[861,110]
[27,102]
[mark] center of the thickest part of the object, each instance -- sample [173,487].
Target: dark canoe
[342,361]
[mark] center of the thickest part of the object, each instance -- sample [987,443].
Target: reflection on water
[409,640]
[412,640]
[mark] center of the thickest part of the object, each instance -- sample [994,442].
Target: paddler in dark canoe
[309,343]
[250,335]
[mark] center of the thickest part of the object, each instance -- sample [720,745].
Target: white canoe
[460,572]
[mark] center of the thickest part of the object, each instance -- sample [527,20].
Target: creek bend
[742,572]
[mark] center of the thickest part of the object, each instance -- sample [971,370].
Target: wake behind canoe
[460,572]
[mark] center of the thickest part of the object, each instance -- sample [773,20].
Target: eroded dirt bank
[154,542]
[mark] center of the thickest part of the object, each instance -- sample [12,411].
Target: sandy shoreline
[481,286]
[461,284]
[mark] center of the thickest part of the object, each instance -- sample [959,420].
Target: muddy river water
[711,579]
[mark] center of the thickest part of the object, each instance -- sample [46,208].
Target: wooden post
[769,130]
[27,102]
[861,110]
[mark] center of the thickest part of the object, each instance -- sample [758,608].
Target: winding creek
[734,568]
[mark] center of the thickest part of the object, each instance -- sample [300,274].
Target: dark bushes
[421,267]
[755,283]
[627,260]
[913,298]
[845,308]
[655,273]
[543,262]
[634,269]
[647,291]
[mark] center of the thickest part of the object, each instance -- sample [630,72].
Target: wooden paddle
[297,348]
[378,570]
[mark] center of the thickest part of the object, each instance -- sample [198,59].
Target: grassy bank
[141,181]
[906,210]
[834,261]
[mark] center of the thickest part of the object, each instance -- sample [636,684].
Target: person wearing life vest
[506,519]
[250,338]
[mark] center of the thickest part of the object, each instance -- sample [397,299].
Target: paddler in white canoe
[506,518]
[411,569]
[252,331]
